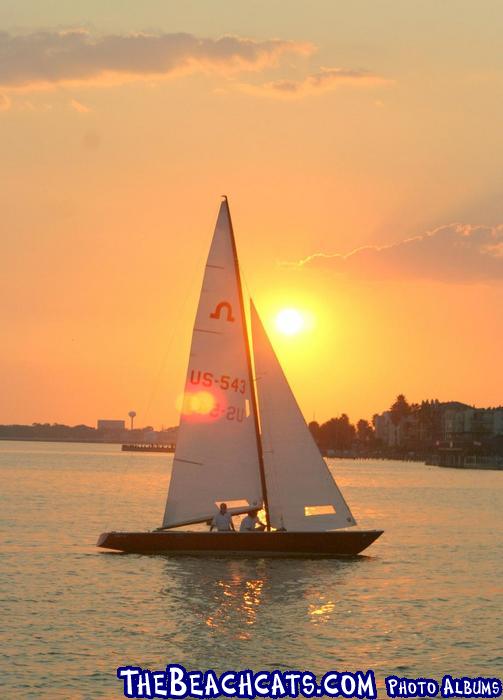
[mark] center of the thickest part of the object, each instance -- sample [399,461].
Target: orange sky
[331,128]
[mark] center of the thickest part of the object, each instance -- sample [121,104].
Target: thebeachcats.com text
[176,682]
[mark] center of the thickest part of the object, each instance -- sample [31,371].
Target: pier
[147,447]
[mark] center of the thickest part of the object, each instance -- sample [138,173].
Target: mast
[250,373]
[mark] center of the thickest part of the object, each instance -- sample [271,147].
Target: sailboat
[243,441]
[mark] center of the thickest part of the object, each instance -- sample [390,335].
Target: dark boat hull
[343,543]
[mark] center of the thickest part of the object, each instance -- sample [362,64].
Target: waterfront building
[103,424]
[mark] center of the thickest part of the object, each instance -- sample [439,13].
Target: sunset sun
[289,322]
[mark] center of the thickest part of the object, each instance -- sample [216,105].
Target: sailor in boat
[222,520]
[251,523]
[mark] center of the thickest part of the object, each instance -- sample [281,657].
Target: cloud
[325,80]
[79,107]
[453,253]
[45,59]
[5,103]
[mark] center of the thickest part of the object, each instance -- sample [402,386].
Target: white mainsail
[301,492]
[216,455]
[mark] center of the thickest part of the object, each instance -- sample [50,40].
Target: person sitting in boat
[222,520]
[251,523]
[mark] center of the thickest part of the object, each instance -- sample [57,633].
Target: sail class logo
[221,306]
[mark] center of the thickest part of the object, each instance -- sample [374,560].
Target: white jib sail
[302,495]
[216,456]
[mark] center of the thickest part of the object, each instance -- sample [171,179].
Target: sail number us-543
[225,381]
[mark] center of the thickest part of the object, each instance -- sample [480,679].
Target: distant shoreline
[45,439]
[338,455]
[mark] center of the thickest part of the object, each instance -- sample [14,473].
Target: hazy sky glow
[360,145]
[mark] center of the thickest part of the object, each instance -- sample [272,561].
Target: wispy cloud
[79,107]
[453,253]
[325,80]
[45,59]
[5,103]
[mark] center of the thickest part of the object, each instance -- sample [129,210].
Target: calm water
[425,601]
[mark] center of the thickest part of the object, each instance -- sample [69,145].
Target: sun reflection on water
[320,612]
[237,597]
